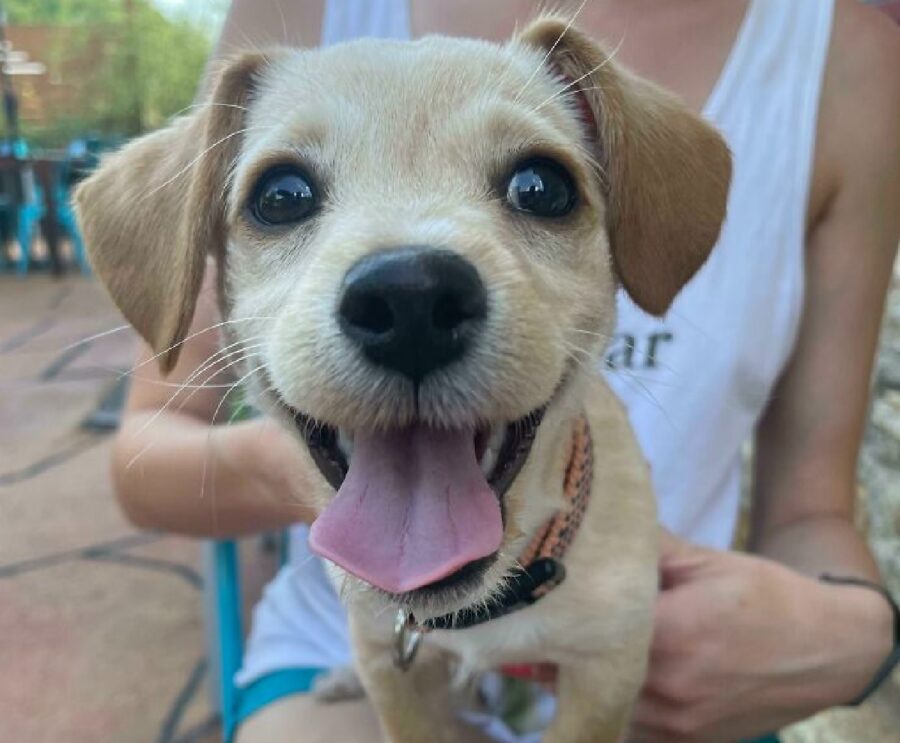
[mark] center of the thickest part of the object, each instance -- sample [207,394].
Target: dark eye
[543,188]
[283,196]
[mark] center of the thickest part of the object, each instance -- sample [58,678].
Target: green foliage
[151,72]
[148,64]
[64,12]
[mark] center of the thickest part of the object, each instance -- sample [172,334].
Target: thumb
[671,546]
[678,559]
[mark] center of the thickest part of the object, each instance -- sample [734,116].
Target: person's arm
[745,644]
[809,437]
[175,470]
[257,26]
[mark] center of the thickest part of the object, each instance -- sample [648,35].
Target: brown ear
[153,210]
[667,171]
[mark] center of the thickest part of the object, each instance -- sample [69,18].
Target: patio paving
[101,627]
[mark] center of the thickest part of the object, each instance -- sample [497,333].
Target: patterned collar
[540,565]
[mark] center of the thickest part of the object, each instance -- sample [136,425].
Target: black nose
[413,310]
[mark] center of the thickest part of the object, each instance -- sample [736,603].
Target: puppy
[425,239]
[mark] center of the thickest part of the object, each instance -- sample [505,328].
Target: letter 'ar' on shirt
[628,351]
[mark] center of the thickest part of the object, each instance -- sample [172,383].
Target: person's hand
[280,452]
[743,645]
[267,471]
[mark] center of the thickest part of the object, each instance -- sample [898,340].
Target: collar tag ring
[407,638]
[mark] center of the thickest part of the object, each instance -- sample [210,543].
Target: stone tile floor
[101,628]
[101,631]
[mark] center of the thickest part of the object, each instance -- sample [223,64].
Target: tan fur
[154,210]
[663,223]
[410,143]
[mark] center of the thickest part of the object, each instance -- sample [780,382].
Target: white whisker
[163,383]
[284,31]
[193,335]
[150,421]
[243,356]
[199,157]
[95,337]
[602,336]
[550,50]
[222,354]
[577,80]
[153,443]
[206,104]
[209,440]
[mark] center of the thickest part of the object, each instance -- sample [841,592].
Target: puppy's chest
[479,649]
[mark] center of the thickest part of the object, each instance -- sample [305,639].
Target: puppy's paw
[338,685]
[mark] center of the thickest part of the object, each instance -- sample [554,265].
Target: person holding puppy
[773,338]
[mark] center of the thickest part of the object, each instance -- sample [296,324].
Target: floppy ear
[667,171]
[152,212]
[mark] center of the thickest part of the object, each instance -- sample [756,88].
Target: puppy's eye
[543,188]
[282,196]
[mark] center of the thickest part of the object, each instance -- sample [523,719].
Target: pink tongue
[414,508]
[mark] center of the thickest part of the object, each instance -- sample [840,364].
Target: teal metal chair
[224,631]
[29,215]
[223,607]
[26,199]
[65,216]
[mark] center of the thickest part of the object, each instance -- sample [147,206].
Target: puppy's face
[420,242]
[429,239]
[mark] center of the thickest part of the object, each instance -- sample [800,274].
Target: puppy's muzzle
[413,310]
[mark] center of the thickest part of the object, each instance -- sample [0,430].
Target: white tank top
[694,382]
[352,19]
